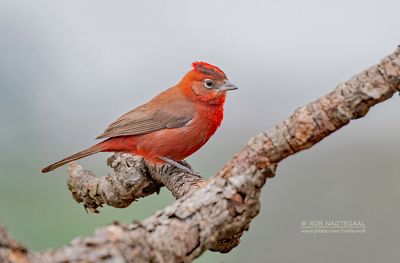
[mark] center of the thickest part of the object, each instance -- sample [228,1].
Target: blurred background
[69,68]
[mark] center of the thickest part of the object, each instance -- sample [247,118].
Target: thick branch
[215,216]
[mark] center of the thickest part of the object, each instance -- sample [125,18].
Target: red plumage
[173,125]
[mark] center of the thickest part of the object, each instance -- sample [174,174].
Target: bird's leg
[178,165]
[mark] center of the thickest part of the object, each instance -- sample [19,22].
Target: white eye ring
[208,83]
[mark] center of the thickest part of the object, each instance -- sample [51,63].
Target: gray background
[68,68]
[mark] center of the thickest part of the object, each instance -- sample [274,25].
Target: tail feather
[89,151]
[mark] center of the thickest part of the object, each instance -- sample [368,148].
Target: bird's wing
[156,115]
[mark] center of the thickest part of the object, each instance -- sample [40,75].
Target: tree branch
[133,178]
[215,215]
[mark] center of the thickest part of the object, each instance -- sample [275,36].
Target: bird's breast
[209,119]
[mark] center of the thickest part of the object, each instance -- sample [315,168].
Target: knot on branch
[133,178]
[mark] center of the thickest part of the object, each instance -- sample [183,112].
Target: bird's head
[207,83]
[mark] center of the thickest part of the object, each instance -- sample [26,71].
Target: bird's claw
[180,166]
[190,171]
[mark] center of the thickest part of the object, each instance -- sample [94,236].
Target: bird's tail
[89,151]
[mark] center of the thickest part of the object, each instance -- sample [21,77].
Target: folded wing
[160,113]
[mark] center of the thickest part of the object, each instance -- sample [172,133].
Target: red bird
[171,126]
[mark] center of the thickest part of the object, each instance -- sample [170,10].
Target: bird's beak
[227,86]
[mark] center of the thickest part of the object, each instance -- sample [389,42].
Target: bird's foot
[179,166]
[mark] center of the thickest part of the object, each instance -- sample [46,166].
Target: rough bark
[132,179]
[216,214]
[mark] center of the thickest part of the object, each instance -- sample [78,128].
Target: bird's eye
[208,83]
